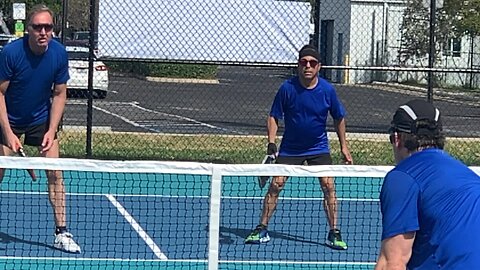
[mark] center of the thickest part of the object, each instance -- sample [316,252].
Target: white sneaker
[64,242]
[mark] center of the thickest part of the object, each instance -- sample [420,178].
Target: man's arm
[3,107]
[272,128]
[340,128]
[395,252]
[58,105]
[11,140]
[56,112]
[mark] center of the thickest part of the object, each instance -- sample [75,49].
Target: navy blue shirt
[305,113]
[438,197]
[31,78]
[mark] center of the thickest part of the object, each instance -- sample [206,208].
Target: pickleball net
[185,215]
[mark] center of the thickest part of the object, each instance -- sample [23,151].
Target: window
[453,47]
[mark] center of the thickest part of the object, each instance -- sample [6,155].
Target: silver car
[78,69]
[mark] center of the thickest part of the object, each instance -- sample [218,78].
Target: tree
[465,15]
[415,31]
[79,14]
[457,18]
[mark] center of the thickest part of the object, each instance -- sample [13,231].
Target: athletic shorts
[321,159]
[33,134]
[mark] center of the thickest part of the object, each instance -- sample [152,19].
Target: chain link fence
[194,80]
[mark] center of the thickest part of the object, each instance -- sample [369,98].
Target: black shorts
[33,134]
[321,159]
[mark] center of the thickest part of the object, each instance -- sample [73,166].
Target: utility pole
[431,53]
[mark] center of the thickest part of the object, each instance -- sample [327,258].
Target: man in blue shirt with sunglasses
[304,103]
[28,107]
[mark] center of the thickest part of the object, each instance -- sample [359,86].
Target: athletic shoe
[334,240]
[64,242]
[258,235]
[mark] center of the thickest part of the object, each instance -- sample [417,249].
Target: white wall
[204,30]
[375,37]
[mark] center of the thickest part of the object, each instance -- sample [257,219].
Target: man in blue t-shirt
[304,103]
[430,201]
[28,107]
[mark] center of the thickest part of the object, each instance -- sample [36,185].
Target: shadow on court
[243,233]
[6,238]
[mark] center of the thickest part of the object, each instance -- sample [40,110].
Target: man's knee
[327,184]
[276,185]
[53,176]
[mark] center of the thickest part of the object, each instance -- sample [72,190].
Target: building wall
[375,37]
[337,11]
[371,32]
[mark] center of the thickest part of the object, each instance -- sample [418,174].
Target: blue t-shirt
[438,197]
[31,79]
[305,113]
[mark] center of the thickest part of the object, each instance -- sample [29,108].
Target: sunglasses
[304,62]
[392,138]
[39,27]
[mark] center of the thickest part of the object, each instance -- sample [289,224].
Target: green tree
[456,18]
[465,16]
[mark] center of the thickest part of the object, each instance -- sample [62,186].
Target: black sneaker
[258,235]
[334,240]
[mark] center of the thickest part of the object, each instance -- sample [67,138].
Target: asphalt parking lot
[239,102]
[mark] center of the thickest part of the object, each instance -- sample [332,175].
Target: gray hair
[38,9]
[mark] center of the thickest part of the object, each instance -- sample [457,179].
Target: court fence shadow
[226,236]
[6,239]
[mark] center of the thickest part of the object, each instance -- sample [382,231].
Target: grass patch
[229,149]
[164,70]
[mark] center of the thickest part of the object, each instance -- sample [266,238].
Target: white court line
[151,244]
[186,119]
[301,263]
[96,259]
[136,124]
[187,261]
[187,196]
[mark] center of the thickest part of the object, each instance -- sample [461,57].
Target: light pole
[431,53]
[64,19]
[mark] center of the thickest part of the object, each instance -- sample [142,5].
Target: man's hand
[272,149]
[47,142]
[13,142]
[347,157]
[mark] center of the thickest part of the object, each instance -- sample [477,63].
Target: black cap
[417,117]
[309,50]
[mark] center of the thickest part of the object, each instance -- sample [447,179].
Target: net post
[214,219]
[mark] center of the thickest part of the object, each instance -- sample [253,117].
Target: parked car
[78,69]
[82,39]
[5,39]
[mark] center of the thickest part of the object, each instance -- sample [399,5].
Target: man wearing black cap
[304,103]
[430,201]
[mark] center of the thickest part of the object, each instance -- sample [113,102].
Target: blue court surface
[157,221]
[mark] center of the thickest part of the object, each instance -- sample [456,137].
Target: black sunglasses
[392,138]
[39,27]
[304,62]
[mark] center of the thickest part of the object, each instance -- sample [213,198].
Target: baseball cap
[417,117]
[309,50]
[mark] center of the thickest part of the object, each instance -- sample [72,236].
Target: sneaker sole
[258,242]
[66,251]
[330,245]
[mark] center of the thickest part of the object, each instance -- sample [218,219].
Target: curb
[436,91]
